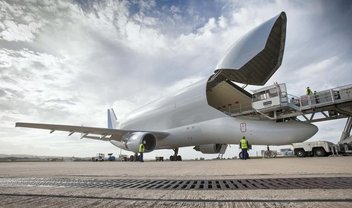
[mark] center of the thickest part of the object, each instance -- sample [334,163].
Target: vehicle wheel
[179,158]
[345,146]
[274,154]
[240,155]
[300,153]
[319,152]
[171,158]
[267,154]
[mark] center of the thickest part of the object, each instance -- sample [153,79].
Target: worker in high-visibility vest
[141,151]
[308,91]
[244,148]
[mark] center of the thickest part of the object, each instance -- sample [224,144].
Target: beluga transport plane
[203,115]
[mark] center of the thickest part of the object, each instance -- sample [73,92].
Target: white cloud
[19,32]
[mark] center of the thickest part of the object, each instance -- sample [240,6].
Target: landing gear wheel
[270,154]
[175,157]
[179,158]
[319,152]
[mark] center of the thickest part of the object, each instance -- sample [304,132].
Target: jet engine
[133,140]
[211,148]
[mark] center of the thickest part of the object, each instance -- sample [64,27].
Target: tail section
[112,119]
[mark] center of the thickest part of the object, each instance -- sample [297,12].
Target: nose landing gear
[269,154]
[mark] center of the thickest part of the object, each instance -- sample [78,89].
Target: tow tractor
[99,157]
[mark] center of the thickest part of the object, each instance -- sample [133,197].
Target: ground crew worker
[244,148]
[316,96]
[309,92]
[141,150]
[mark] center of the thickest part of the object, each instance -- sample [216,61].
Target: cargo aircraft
[195,116]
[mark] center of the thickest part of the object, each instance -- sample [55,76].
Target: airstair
[274,103]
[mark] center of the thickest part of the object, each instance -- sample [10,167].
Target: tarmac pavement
[43,195]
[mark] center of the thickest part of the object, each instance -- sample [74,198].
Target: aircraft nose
[312,130]
[308,130]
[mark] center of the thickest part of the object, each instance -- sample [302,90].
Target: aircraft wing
[89,132]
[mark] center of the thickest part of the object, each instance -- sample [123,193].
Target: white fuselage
[191,121]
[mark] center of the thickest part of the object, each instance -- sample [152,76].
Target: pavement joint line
[349,200]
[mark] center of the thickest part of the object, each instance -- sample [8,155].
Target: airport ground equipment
[274,103]
[159,158]
[99,157]
[111,157]
[317,148]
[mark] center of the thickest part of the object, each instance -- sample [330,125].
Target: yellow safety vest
[244,144]
[309,92]
[141,148]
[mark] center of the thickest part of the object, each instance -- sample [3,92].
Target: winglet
[112,119]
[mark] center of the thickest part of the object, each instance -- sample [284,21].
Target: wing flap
[104,133]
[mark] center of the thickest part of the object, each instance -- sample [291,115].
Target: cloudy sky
[66,62]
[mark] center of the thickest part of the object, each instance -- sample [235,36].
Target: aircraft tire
[177,158]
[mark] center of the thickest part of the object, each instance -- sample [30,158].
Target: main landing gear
[175,157]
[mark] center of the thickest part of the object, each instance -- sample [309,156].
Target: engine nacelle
[211,148]
[133,140]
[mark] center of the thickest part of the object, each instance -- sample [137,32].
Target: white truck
[325,148]
[317,149]
[322,148]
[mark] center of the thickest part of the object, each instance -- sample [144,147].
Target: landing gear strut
[268,153]
[175,157]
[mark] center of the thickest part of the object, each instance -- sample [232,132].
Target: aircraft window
[273,92]
[255,98]
[260,96]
